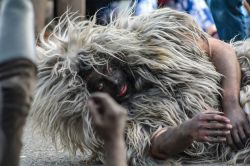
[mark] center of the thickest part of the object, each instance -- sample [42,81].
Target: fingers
[106,107]
[94,113]
[214,139]
[215,133]
[242,135]
[246,128]
[214,116]
[236,139]
[214,136]
[230,142]
[216,125]
[213,112]
[102,99]
[105,102]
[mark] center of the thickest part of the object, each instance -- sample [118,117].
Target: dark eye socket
[110,69]
[100,85]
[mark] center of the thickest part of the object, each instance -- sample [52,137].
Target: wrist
[114,137]
[230,106]
[185,132]
[114,143]
[230,100]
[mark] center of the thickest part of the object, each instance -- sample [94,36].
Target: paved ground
[40,152]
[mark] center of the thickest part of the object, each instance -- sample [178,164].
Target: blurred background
[221,19]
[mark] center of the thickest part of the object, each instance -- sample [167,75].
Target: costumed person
[180,88]
[17,75]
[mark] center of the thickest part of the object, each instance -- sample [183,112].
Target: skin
[247,6]
[231,126]
[109,121]
[209,126]
[226,63]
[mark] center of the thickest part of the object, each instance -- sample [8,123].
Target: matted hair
[161,48]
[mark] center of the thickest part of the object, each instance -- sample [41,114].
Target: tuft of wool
[161,48]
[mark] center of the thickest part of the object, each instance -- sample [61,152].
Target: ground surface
[40,152]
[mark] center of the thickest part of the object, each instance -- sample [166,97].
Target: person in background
[246,10]
[198,9]
[145,6]
[46,10]
[246,5]
[229,19]
[17,75]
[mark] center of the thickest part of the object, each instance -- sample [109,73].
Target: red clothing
[162,2]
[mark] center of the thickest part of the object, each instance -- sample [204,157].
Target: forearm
[207,126]
[115,151]
[170,141]
[224,58]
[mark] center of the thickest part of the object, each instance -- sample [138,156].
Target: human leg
[40,14]
[17,73]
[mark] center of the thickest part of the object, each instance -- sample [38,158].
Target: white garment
[145,7]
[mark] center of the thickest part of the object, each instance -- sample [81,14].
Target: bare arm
[173,140]
[109,121]
[224,58]
[169,141]
[247,6]
[115,152]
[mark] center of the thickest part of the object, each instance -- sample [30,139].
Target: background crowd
[222,19]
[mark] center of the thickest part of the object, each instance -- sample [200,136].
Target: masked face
[111,80]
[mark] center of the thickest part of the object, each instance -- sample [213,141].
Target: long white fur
[161,48]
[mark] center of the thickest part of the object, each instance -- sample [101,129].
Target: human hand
[208,126]
[241,127]
[108,116]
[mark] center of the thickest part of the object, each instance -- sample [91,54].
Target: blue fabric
[198,9]
[229,19]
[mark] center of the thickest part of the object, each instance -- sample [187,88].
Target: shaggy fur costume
[160,48]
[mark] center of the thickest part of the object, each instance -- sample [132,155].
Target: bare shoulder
[214,46]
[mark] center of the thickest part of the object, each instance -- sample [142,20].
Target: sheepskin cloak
[160,48]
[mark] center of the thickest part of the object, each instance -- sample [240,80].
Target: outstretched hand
[108,116]
[240,132]
[209,126]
